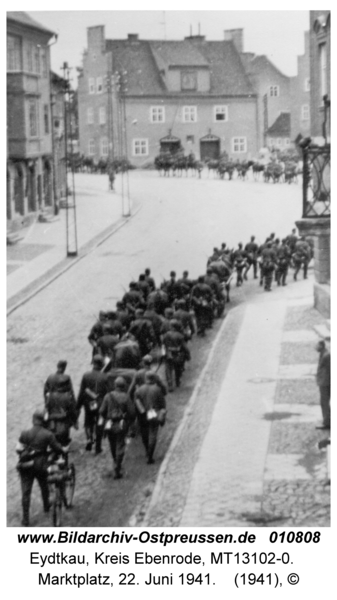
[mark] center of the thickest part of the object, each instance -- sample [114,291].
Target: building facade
[320,73]
[136,97]
[29,126]
[315,220]
[273,90]
[300,95]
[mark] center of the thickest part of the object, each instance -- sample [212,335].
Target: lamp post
[71,222]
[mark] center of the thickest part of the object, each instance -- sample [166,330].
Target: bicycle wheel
[57,507]
[69,486]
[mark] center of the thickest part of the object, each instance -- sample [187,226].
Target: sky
[278,34]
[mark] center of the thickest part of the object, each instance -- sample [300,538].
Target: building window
[99,85]
[91,147]
[30,51]
[44,69]
[46,118]
[37,60]
[190,139]
[279,142]
[188,80]
[33,117]
[305,112]
[307,84]
[13,53]
[189,114]
[221,113]
[157,114]
[104,146]
[274,90]
[323,69]
[102,115]
[239,144]
[140,147]
[91,85]
[287,142]
[90,116]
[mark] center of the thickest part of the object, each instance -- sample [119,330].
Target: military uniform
[55,381]
[149,397]
[142,330]
[62,414]
[201,300]
[282,261]
[37,440]
[268,266]
[176,353]
[117,411]
[92,391]
[251,250]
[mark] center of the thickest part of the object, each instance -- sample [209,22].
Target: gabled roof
[281,127]
[177,54]
[256,64]
[25,19]
[227,72]
[147,62]
[137,60]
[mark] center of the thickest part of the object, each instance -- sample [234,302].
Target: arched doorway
[209,147]
[47,183]
[170,143]
[31,188]
[18,190]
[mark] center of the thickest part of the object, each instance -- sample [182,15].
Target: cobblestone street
[170,233]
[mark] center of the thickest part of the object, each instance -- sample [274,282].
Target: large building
[300,95]
[273,92]
[145,95]
[29,127]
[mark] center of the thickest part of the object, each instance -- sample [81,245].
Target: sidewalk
[41,255]
[252,435]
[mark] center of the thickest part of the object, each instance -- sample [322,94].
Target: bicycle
[61,480]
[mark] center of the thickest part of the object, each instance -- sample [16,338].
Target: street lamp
[71,222]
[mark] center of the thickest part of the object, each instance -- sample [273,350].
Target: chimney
[133,37]
[235,36]
[96,38]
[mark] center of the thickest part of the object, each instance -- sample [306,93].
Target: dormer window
[188,81]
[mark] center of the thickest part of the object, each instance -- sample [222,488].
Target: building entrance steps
[260,431]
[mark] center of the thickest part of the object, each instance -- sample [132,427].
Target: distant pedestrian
[323,382]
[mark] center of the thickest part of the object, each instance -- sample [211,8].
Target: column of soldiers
[273,259]
[123,392]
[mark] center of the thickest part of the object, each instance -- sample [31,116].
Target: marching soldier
[117,412]
[176,353]
[201,301]
[57,379]
[282,261]
[92,391]
[251,250]
[268,265]
[151,411]
[33,449]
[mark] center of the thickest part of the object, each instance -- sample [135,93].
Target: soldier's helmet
[98,360]
[38,415]
[120,383]
[175,325]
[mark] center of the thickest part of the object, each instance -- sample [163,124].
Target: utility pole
[71,223]
[122,91]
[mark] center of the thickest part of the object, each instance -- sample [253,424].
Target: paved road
[181,220]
